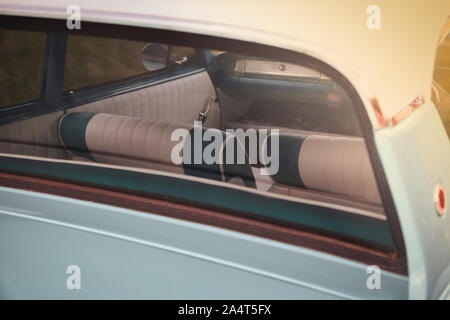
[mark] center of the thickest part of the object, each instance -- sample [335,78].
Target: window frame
[393,261]
[54,98]
[94,93]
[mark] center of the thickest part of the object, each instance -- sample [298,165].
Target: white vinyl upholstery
[36,136]
[178,101]
[338,165]
[145,140]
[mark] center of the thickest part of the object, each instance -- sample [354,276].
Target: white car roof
[393,64]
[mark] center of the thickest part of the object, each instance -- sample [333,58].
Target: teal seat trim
[72,131]
[290,146]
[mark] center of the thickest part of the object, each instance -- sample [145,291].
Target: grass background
[21,64]
[91,61]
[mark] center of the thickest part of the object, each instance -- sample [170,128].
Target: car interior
[129,122]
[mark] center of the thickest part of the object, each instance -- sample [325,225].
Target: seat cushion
[339,165]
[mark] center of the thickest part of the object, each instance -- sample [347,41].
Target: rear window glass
[271,139]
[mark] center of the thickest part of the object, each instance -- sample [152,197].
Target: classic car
[224,150]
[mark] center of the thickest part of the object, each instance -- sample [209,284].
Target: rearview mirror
[155,56]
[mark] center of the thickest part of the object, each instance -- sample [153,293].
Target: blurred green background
[22,57]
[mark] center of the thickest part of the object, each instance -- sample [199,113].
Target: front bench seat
[138,142]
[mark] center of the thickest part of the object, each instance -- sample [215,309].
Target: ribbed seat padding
[130,137]
[36,136]
[177,101]
[338,165]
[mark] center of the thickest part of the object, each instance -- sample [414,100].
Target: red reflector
[440,200]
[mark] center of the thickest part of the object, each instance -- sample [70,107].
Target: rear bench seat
[337,165]
[138,142]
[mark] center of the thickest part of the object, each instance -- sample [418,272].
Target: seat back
[177,101]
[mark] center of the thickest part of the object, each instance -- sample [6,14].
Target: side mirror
[155,56]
